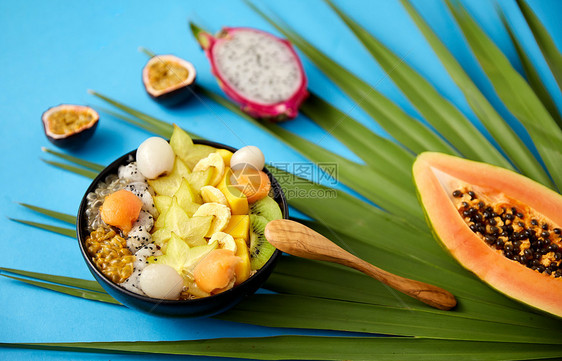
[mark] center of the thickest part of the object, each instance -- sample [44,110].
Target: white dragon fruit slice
[144,192]
[131,173]
[256,69]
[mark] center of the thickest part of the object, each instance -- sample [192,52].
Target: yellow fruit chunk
[168,185]
[236,199]
[162,203]
[226,155]
[239,227]
[242,269]
[186,198]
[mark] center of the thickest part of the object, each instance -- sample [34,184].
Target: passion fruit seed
[509,231]
[110,254]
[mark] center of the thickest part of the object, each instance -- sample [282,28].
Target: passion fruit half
[69,126]
[168,79]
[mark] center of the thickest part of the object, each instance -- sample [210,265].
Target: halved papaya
[500,225]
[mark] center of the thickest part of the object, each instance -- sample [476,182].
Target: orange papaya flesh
[500,225]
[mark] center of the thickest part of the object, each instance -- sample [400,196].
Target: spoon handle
[296,239]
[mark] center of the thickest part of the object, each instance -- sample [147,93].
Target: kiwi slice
[260,249]
[267,208]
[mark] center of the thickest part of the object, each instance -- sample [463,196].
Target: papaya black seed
[557,231]
[471,194]
[520,215]
[509,216]
[464,204]
[545,227]
[534,222]
[457,194]
[545,234]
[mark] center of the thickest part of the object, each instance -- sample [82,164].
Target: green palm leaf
[405,129]
[84,163]
[163,128]
[545,42]
[319,279]
[73,169]
[516,94]
[164,132]
[531,74]
[62,280]
[57,215]
[316,348]
[437,110]
[385,157]
[384,192]
[55,229]
[496,125]
[307,312]
[76,292]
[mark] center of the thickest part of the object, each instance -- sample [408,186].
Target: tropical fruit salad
[183,220]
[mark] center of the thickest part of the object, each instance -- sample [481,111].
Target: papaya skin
[437,175]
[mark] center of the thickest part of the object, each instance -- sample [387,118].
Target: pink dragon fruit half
[258,70]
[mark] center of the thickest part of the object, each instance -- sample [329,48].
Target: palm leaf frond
[545,42]
[496,125]
[437,110]
[533,77]
[405,129]
[54,214]
[316,348]
[515,93]
[78,161]
[73,169]
[55,229]
[76,292]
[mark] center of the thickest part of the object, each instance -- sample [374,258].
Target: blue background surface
[52,52]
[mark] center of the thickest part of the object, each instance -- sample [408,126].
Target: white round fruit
[155,157]
[161,281]
[249,154]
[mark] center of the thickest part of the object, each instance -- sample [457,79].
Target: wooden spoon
[296,239]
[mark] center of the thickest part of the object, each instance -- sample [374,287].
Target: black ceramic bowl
[190,308]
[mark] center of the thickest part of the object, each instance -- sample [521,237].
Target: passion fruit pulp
[168,79]
[69,126]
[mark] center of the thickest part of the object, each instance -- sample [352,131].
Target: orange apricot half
[121,209]
[216,271]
